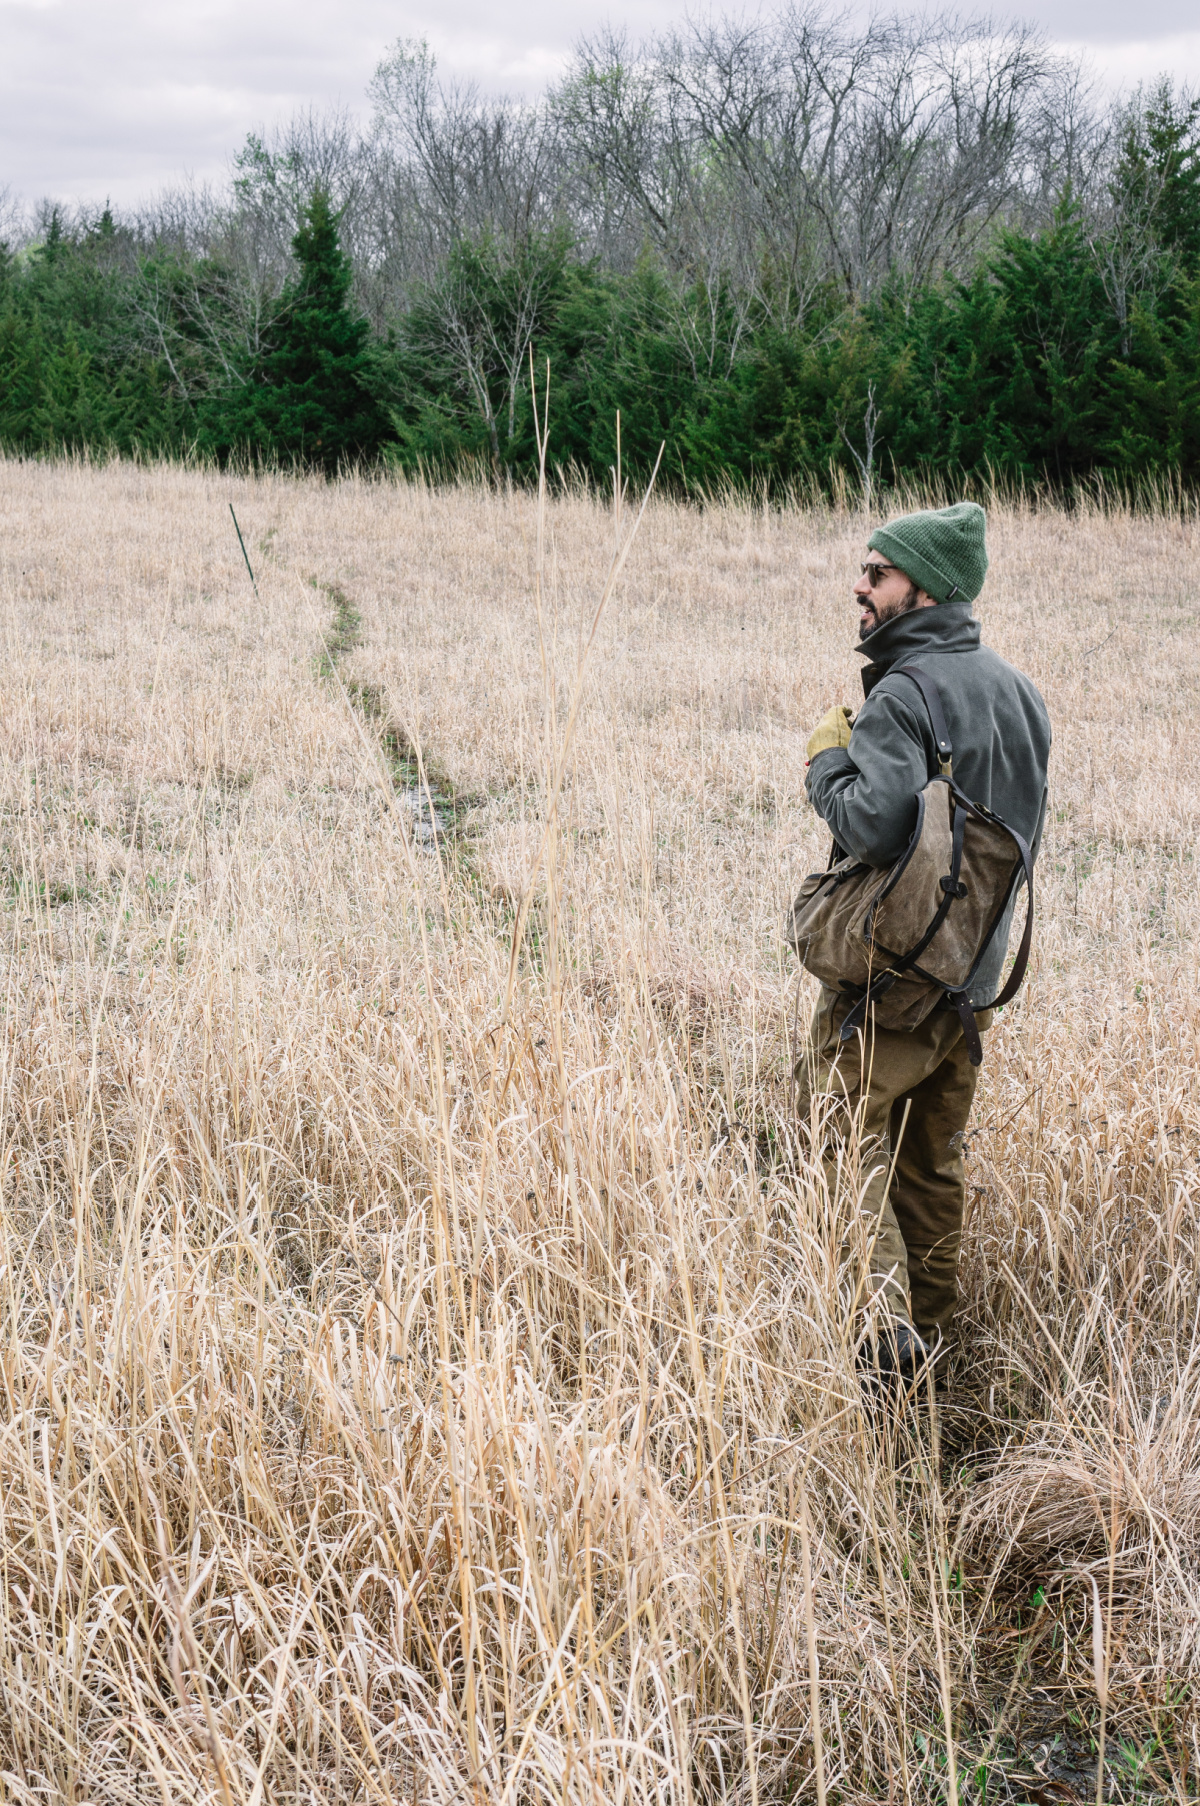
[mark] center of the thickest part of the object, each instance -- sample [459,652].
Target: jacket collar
[949,627]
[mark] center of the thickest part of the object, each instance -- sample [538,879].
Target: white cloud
[1144,59]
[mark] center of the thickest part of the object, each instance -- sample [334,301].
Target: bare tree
[864,460]
[793,149]
[13,218]
[470,217]
[463,163]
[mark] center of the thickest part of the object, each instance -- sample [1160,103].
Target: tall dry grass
[426,1371]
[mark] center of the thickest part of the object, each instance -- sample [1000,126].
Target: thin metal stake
[245,553]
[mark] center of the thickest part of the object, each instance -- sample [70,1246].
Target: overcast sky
[115,98]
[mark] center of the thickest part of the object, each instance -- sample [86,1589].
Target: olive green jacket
[867,792]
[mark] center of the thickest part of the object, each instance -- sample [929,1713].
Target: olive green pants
[855,1094]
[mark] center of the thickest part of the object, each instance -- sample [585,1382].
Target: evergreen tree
[1155,397]
[1160,169]
[459,364]
[75,371]
[309,399]
[1063,342]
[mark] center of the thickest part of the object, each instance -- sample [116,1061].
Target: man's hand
[832,729]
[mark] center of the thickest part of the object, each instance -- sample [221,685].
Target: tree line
[796,251]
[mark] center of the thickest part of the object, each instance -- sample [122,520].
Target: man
[922,574]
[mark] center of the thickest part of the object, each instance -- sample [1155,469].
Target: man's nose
[862,587]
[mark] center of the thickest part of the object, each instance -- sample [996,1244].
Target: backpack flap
[954,891]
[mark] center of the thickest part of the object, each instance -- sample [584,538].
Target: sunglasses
[874,573]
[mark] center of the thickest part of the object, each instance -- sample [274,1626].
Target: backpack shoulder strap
[937,715]
[1017,974]
[966,1014]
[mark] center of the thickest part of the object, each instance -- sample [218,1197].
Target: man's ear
[925,600]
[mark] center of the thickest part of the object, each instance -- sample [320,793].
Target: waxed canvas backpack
[899,939]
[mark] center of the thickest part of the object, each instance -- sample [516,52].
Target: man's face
[892,594]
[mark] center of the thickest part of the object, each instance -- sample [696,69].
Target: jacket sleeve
[867,792]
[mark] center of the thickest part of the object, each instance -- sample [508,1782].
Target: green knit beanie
[941,549]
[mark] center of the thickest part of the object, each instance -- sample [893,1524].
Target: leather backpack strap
[966,1014]
[970,1027]
[1017,974]
[937,715]
[856,1015]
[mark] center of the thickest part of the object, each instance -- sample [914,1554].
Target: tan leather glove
[832,729]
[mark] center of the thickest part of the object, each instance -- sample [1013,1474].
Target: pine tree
[22,357]
[1061,340]
[1160,168]
[309,398]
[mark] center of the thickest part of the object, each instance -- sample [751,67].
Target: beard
[888,612]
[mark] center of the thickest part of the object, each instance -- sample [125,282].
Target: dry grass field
[425,1368]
